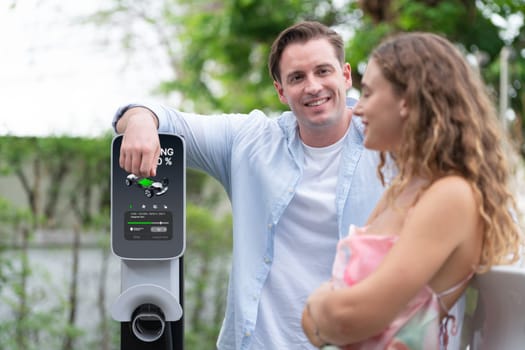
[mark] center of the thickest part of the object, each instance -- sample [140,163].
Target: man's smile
[317,102]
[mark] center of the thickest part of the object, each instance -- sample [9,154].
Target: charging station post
[148,235]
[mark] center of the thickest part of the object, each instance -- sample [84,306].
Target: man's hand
[140,147]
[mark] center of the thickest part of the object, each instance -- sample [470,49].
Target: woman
[446,215]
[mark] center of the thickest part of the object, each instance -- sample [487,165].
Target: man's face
[314,84]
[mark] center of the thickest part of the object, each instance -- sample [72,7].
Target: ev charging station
[148,235]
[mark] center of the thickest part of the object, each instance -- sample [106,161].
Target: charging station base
[172,338]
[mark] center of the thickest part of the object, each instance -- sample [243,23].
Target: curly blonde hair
[451,129]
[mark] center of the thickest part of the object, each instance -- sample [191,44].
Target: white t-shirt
[304,249]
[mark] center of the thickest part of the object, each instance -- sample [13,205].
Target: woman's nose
[358,109]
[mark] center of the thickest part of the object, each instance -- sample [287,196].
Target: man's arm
[140,147]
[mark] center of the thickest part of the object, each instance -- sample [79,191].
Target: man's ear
[280,92]
[347,72]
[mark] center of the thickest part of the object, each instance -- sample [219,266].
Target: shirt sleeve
[209,139]
[158,110]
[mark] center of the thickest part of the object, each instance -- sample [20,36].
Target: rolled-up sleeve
[158,110]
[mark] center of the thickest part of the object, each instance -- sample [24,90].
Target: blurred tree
[19,156]
[206,264]
[90,158]
[14,219]
[482,29]
[50,170]
[217,50]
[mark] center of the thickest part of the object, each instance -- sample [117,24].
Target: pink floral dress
[418,326]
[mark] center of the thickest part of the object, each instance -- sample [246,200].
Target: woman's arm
[432,249]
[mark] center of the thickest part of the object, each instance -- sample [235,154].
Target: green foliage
[24,323]
[444,16]
[30,320]
[52,167]
[15,151]
[207,259]
[37,318]
[9,217]
[358,49]
[226,47]
[42,325]
[91,159]
[218,50]
[12,219]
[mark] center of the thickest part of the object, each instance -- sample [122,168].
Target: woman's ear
[403,108]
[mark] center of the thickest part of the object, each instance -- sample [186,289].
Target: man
[295,183]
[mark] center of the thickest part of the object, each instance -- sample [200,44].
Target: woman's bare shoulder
[452,191]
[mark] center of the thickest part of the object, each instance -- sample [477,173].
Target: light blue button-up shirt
[259,161]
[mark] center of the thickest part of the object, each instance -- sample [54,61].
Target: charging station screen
[140,225]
